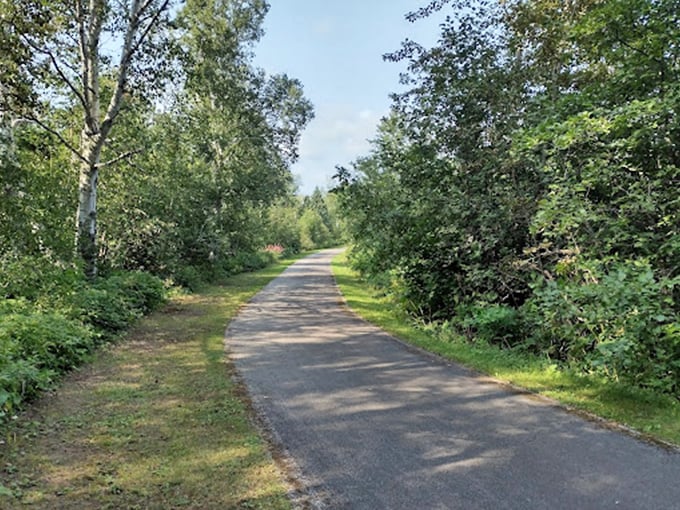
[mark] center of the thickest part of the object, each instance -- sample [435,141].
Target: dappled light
[349,402]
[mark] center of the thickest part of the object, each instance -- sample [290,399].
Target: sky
[335,49]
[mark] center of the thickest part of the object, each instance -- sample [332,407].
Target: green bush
[20,380]
[34,349]
[618,322]
[245,262]
[497,324]
[189,277]
[35,278]
[51,340]
[9,306]
[107,310]
[143,291]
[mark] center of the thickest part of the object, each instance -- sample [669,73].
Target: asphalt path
[371,424]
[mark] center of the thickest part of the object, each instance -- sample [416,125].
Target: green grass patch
[154,422]
[654,415]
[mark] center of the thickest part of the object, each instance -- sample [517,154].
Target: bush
[189,277]
[35,278]
[34,348]
[246,262]
[112,304]
[9,306]
[618,322]
[20,380]
[51,340]
[495,324]
[143,291]
[107,310]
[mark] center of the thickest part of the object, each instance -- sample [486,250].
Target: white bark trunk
[87,221]
[95,128]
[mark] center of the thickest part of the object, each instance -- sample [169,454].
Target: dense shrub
[34,348]
[524,188]
[34,278]
[51,340]
[54,319]
[112,303]
[496,324]
[143,291]
[246,262]
[189,277]
[20,380]
[619,322]
[107,310]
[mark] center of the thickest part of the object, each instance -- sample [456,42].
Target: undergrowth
[652,413]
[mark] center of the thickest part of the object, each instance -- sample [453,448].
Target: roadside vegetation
[128,171]
[155,420]
[655,416]
[142,157]
[523,192]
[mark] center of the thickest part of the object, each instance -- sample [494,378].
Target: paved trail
[373,425]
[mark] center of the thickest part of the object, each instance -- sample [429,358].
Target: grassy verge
[155,422]
[653,415]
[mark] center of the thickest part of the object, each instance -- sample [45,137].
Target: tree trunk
[86,228]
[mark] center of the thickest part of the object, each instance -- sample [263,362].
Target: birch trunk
[86,228]
[144,14]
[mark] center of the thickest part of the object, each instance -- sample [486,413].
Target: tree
[528,179]
[74,63]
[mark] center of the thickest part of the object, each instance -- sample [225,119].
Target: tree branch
[130,46]
[57,68]
[66,143]
[149,26]
[115,160]
[65,79]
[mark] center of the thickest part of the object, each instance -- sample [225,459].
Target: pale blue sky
[335,48]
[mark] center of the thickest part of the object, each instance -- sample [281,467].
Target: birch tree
[93,53]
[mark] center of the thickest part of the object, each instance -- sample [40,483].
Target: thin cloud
[336,137]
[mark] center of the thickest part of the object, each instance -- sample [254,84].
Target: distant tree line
[525,189]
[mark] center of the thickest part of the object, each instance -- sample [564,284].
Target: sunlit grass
[156,422]
[653,415]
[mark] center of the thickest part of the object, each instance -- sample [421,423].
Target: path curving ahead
[374,425]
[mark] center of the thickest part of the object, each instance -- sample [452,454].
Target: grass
[155,422]
[655,417]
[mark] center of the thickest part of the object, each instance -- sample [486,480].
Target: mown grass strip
[155,422]
[654,416]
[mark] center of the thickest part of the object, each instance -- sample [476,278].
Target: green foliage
[34,349]
[189,277]
[187,194]
[283,227]
[524,190]
[21,380]
[313,231]
[111,304]
[51,318]
[495,324]
[106,309]
[143,291]
[50,340]
[35,278]
[309,224]
[617,321]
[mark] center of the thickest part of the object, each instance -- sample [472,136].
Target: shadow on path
[376,426]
